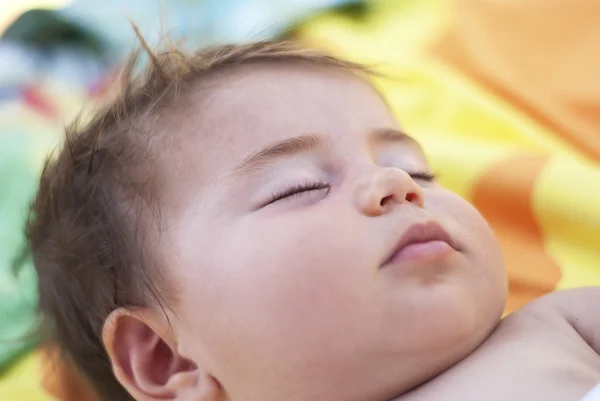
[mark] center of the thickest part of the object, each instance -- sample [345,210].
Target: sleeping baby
[251,223]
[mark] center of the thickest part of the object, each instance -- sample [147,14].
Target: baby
[251,223]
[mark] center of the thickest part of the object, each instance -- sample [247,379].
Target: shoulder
[578,309]
[579,301]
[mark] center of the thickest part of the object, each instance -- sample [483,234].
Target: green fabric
[18,288]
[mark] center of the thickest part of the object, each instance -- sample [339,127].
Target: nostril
[411,197]
[385,200]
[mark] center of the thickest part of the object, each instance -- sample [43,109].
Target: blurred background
[503,94]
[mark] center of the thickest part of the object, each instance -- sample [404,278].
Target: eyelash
[296,189]
[423,175]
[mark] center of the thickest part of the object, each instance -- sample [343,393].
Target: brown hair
[83,228]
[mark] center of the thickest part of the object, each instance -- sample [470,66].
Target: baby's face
[296,192]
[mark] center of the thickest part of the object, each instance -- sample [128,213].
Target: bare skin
[546,351]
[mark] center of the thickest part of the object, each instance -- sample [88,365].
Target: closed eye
[424,175]
[296,190]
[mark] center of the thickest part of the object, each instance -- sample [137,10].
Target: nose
[388,187]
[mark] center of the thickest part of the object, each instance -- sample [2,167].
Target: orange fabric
[505,203]
[543,56]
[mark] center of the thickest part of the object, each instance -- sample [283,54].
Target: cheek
[468,227]
[486,272]
[296,268]
[275,281]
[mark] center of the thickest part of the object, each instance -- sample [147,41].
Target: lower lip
[422,250]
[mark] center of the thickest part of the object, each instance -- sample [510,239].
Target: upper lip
[419,233]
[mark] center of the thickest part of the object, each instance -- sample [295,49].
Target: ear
[146,361]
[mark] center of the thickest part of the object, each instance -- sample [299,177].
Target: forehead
[241,111]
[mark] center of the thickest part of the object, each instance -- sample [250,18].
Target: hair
[84,224]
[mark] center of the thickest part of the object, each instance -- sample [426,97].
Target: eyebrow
[309,143]
[392,135]
[285,148]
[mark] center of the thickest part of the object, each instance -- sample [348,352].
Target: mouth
[422,241]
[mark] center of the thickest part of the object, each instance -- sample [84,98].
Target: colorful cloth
[200,23]
[18,291]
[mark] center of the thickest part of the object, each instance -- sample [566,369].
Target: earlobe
[146,362]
